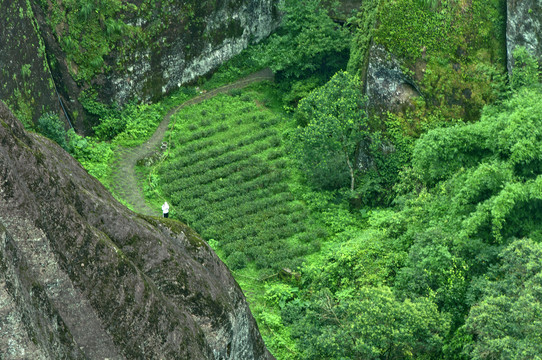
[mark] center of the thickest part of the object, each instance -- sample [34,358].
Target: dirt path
[124,177]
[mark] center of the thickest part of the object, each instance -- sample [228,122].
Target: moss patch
[177,228]
[453,51]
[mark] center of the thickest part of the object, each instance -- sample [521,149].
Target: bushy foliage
[370,323]
[336,146]
[363,24]
[307,49]
[432,4]
[50,125]
[525,71]
[478,190]
[472,190]
[334,124]
[247,62]
[95,156]
[132,123]
[507,322]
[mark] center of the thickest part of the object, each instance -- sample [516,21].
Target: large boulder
[386,85]
[524,28]
[405,49]
[81,276]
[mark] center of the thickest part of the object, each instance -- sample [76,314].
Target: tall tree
[507,322]
[333,125]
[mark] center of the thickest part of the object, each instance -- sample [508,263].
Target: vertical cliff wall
[524,28]
[115,51]
[83,277]
[430,60]
[26,84]
[190,48]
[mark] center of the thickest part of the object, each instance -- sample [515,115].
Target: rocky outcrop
[83,277]
[26,84]
[169,44]
[524,28]
[221,32]
[386,86]
[434,52]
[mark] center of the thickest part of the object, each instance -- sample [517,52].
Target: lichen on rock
[387,87]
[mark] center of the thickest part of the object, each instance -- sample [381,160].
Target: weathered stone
[229,28]
[524,28]
[81,276]
[386,86]
[26,84]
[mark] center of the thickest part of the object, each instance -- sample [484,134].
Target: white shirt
[165,208]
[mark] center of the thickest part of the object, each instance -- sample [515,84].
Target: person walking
[165,209]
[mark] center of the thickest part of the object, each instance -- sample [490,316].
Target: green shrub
[306,50]
[95,156]
[333,125]
[50,125]
[128,126]
[236,260]
[525,71]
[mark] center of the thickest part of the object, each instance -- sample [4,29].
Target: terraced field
[226,176]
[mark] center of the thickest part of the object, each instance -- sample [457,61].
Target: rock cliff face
[431,58]
[116,50]
[386,86]
[524,28]
[83,277]
[183,54]
[26,83]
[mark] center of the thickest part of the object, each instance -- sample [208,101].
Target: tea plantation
[227,176]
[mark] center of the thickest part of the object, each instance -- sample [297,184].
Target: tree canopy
[447,255]
[307,49]
[334,125]
[507,321]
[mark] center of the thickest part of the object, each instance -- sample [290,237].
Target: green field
[227,175]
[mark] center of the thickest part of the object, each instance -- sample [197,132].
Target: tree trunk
[351,168]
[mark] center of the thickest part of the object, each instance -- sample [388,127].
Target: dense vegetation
[471,195]
[412,235]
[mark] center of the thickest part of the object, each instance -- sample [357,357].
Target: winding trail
[124,177]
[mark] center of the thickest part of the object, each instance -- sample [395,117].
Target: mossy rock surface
[26,84]
[454,67]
